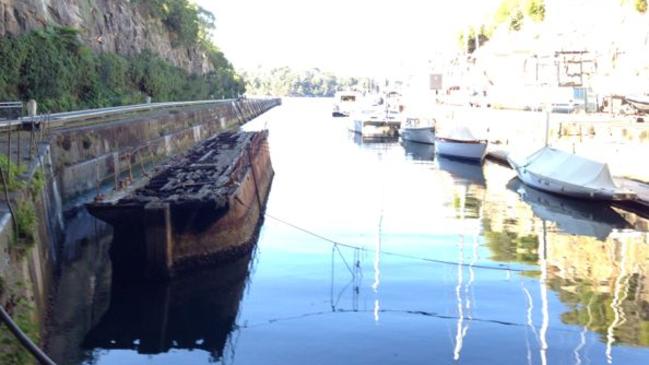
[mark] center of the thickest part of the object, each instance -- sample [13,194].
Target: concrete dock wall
[89,156]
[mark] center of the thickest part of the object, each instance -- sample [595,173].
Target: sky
[347,37]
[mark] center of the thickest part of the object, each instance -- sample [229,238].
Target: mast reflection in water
[374,253]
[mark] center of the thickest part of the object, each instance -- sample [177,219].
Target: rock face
[118,26]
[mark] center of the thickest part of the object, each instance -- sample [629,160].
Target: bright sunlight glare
[359,37]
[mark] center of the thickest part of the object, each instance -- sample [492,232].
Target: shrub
[536,10]
[188,22]
[26,220]
[11,173]
[516,21]
[53,67]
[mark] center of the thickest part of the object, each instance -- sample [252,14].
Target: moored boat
[461,143]
[417,130]
[202,208]
[639,102]
[345,103]
[375,125]
[565,173]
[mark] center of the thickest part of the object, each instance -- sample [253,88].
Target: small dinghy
[564,173]
[461,143]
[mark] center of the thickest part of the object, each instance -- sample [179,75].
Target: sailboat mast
[547,125]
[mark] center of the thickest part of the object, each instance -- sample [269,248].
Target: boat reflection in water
[462,170]
[195,312]
[578,217]
[418,151]
[359,139]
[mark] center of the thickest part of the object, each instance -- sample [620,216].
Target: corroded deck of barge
[201,207]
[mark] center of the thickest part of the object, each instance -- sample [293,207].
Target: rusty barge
[201,208]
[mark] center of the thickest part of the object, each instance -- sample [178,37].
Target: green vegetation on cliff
[511,13]
[283,81]
[55,68]
[187,21]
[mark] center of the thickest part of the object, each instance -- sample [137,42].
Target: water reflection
[369,141]
[81,293]
[418,151]
[463,171]
[605,287]
[436,262]
[195,312]
[588,255]
[571,216]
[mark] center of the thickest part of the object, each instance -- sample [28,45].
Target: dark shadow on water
[196,311]
[80,291]
[419,151]
[90,309]
[574,216]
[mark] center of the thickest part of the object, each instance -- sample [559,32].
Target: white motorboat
[565,173]
[345,103]
[460,143]
[640,102]
[418,130]
[375,125]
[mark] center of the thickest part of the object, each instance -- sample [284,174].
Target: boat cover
[570,168]
[642,99]
[460,134]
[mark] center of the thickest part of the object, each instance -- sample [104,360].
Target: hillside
[69,54]
[601,44]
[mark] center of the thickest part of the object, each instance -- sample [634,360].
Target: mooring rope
[389,253]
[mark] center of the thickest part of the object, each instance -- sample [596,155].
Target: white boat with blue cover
[565,173]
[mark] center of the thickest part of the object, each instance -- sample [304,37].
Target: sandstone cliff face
[105,25]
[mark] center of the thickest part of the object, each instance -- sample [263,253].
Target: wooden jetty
[202,207]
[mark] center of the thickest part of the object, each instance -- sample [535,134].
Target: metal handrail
[101,112]
[23,339]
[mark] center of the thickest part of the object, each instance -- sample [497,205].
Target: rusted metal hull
[202,209]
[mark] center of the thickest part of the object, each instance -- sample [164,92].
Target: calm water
[437,261]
